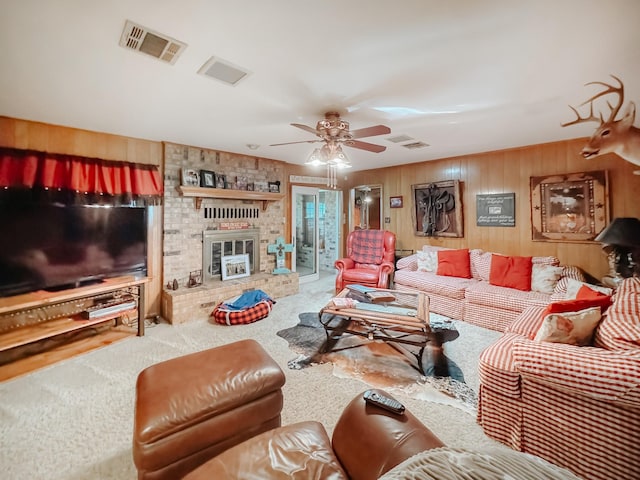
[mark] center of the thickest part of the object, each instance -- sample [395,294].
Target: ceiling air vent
[223,71]
[415,145]
[141,39]
[400,138]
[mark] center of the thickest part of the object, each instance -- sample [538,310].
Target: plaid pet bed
[367,246]
[225,316]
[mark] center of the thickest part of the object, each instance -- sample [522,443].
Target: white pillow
[546,261]
[544,278]
[574,285]
[427,261]
[480,264]
[573,328]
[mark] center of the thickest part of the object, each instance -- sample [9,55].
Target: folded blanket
[486,464]
[367,246]
[246,300]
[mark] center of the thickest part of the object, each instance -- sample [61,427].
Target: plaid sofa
[577,407]
[475,300]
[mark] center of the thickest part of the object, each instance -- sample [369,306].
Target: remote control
[391,404]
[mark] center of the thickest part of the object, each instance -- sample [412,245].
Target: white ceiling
[464,76]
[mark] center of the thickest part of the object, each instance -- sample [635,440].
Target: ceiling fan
[335,132]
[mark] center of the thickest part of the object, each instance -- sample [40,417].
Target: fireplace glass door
[217,244]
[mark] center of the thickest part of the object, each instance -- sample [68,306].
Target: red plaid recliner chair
[369,261]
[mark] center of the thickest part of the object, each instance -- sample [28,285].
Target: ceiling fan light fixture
[333,154]
[335,132]
[333,127]
[315,158]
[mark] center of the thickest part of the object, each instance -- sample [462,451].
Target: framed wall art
[437,209]
[496,210]
[235,266]
[395,202]
[569,208]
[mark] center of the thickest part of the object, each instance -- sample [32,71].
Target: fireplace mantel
[203,192]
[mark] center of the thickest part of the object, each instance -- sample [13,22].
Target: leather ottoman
[191,408]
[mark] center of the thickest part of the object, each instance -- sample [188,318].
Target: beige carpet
[74,420]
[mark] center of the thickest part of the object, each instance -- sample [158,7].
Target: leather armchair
[367,442]
[370,259]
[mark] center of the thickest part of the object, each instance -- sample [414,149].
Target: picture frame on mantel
[190,177]
[571,207]
[221,180]
[207,179]
[274,187]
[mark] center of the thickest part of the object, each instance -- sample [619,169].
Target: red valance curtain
[73,179]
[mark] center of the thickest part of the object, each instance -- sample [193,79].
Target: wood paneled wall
[29,135]
[504,172]
[493,172]
[72,141]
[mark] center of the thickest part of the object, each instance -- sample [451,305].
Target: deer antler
[614,110]
[579,119]
[610,89]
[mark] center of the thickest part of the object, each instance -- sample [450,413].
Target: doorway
[365,208]
[316,234]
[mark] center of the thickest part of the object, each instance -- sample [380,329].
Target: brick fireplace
[186,227]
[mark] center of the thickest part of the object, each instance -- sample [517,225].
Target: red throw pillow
[512,272]
[454,263]
[577,304]
[586,292]
[597,298]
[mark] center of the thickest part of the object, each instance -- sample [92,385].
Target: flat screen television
[55,247]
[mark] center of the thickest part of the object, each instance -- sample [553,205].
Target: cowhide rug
[381,366]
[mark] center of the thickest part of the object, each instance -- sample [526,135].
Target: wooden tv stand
[39,322]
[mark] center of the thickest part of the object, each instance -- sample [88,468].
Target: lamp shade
[315,158]
[624,231]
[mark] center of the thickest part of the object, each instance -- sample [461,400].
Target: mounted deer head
[612,136]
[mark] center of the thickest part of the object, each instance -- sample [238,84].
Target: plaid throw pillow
[367,246]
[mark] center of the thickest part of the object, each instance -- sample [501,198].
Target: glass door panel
[305,214]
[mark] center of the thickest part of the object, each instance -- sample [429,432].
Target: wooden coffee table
[403,323]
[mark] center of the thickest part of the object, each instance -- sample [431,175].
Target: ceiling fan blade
[370,147]
[370,131]
[291,143]
[305,128]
